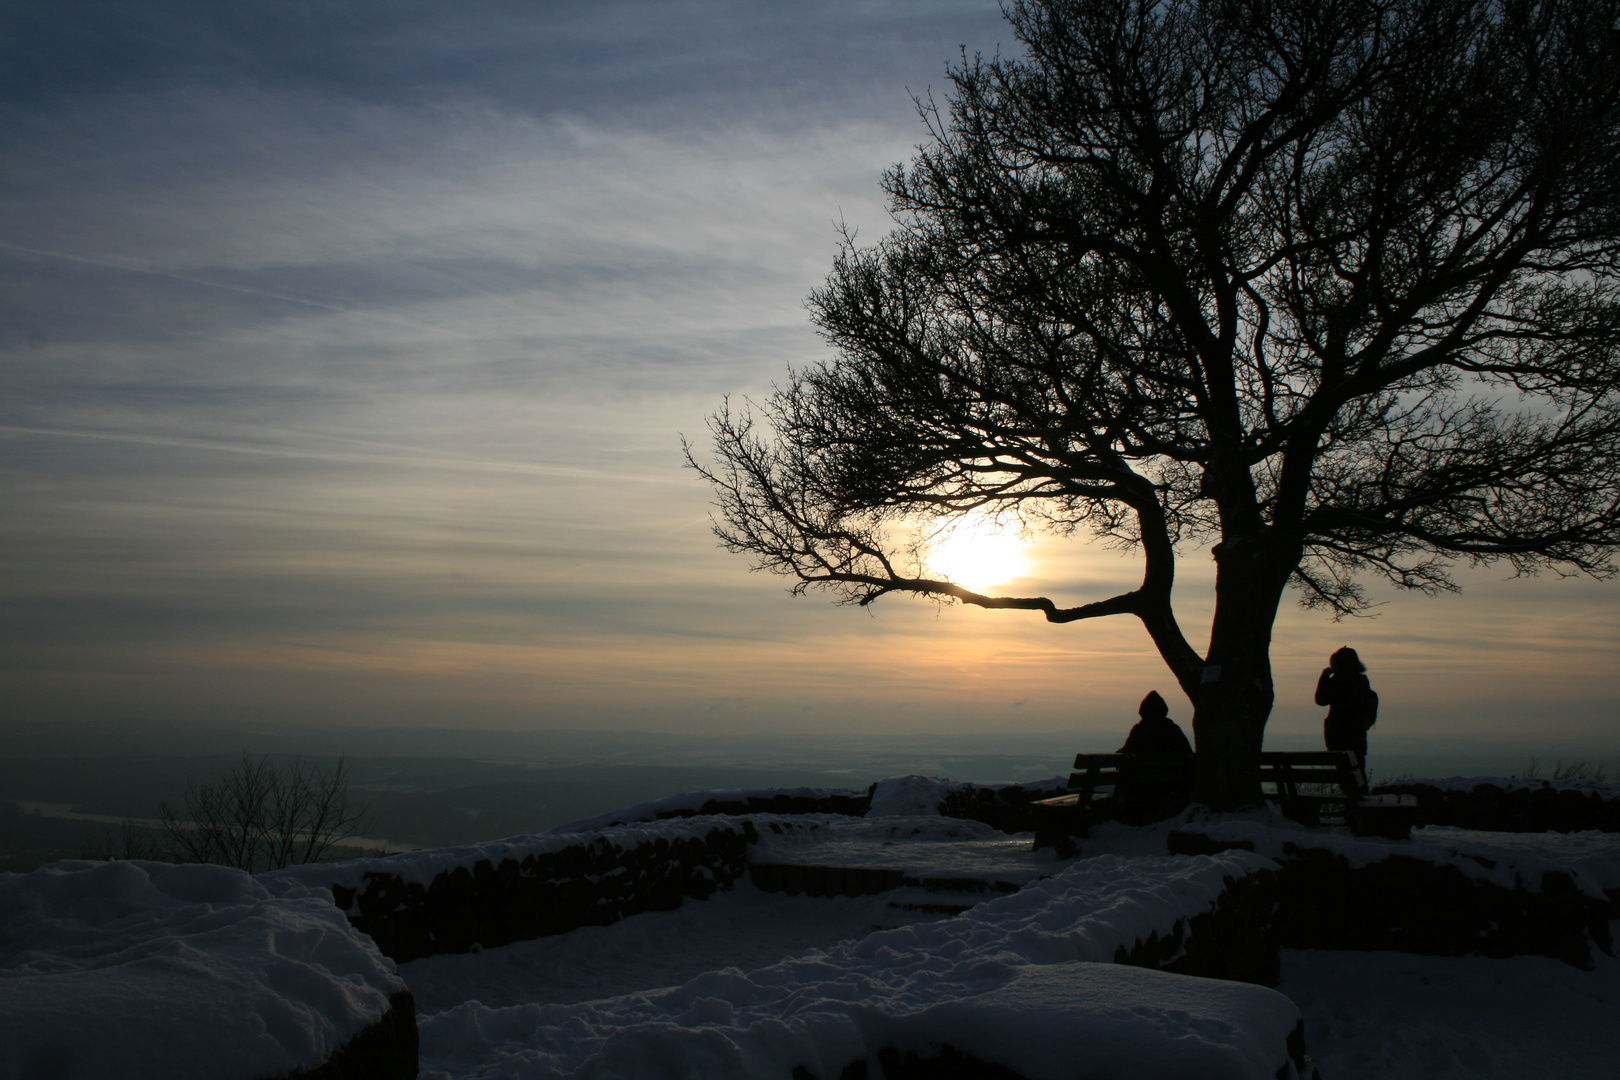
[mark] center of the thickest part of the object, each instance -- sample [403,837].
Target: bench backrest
[1100,770]
[1287,769]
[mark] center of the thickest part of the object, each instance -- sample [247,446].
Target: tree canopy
[1328,287]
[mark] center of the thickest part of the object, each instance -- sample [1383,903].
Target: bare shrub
[1579,769]
[262,816]
[130,839]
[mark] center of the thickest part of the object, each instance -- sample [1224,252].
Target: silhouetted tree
[129,839]
[262,816]
[1327,286]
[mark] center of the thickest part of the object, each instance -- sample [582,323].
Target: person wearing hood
[1152,791]
[1155,732]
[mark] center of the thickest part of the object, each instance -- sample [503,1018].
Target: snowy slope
[138,969]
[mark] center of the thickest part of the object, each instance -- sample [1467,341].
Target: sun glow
[978,554]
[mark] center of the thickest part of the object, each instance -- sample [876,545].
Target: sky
[346,350]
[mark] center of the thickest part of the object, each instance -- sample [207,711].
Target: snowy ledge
[1446,891]
[148,970]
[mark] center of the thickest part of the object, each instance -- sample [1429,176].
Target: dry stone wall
[1415,905]
[594,882]
[1493,808]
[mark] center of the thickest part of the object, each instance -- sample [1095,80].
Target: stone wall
[1236,940]
[1412,905]
[387,1050]
[593,882]
[1007,807]
[1490,808]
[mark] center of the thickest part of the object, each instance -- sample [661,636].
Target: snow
[1509,860]
[145,969]
[139,969]
[1393,1016]
[1591,857]
[742,928]
[909,796]
[1601,789]
[1044,1022]
[1024,980]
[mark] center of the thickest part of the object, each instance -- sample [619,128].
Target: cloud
[344,351]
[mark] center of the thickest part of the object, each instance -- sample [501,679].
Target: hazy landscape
[434,787]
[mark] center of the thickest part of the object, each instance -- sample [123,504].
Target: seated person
[1162,787]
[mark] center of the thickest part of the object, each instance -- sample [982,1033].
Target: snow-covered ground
[172,961]
[1367,1015]
[1370,1016]
[744,928]
[1394,1016]
[1026,979]
[1374,1016]
[146,970]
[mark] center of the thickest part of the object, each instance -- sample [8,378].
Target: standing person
[1352,704]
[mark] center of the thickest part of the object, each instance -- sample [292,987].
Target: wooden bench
[1096,781]
[1340,797]
[1336,776]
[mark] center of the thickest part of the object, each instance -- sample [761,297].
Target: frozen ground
[1025,978]
[744,928]
[1392,1016]
[1370,1016]
[752,983]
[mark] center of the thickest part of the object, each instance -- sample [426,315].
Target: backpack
[1370,708]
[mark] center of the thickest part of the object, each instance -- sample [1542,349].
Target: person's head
[1152,707]
[1346,660]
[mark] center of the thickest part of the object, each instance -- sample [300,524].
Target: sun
[978,554]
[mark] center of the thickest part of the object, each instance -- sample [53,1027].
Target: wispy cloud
[344,351]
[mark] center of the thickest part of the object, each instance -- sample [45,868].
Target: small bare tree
[261,816]
[129,839]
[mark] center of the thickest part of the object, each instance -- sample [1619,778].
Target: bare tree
[129,839]
[261,816]
[1325,287]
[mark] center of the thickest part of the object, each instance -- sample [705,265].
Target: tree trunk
[1229,725]
[1234,695]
